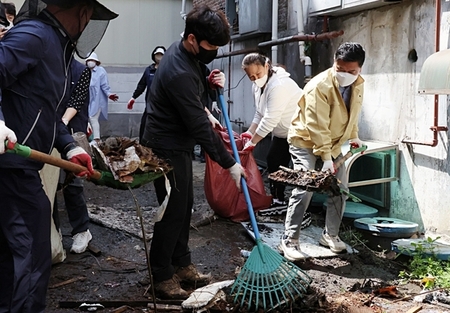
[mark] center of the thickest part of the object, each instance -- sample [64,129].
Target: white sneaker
[81,241]
[291,249]
[335,243]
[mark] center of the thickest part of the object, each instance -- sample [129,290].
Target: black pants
[75,203]
[169,245]
[25,247]
[278,155]
[142,126]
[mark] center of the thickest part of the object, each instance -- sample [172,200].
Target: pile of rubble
[125,158]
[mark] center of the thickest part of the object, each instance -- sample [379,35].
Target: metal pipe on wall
[300,30]
[274,30]
[183,9]
[284,40]
[435,128]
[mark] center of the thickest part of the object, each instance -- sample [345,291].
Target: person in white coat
[276,96]
[99,92]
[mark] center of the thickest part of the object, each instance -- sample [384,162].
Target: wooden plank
[415,309]
[69,281]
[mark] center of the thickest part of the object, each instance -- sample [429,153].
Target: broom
[267,278]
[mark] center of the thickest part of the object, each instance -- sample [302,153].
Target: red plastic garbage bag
[221,192]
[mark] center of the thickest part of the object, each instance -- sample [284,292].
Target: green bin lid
[386,226]
[359,210]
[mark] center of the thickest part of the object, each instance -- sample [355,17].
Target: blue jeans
[303,158]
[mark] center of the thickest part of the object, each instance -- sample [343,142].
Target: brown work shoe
[170,289]
[189,275]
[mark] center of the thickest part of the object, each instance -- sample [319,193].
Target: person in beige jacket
[327,117]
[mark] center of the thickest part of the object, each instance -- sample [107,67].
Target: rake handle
[238,160]
[27,152]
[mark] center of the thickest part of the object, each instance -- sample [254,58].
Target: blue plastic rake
[267,279]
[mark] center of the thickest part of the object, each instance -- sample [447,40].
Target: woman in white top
[276,96]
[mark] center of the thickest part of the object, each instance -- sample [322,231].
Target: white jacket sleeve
[277,98]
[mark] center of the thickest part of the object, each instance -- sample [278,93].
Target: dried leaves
[124,158]
[317,181]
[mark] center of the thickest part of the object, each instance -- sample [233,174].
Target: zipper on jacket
[32,127]
[66,71]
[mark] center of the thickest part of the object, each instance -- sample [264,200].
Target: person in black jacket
[145,82]
[176,121]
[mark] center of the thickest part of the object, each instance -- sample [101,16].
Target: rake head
[268,280]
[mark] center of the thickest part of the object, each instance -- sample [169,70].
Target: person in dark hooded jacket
[144,84]
[34,73]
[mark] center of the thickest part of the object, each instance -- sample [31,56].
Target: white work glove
[6,134]
[236,172]
[214,122]
[215,107]
[79,156]
[249,146]
[356,143]
[328,165]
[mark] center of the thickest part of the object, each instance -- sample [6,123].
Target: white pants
[93,120]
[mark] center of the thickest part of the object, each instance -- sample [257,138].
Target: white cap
[159,50]
[93,56]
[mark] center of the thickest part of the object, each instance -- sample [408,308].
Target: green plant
[426,267]
[352,237]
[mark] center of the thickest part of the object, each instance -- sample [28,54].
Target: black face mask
[205,56]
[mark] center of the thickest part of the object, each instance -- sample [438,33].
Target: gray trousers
[303,158]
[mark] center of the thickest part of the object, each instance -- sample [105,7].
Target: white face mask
[91,64]
[260,82]
[345,79]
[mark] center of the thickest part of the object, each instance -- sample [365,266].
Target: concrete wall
[125,51]
[393,110]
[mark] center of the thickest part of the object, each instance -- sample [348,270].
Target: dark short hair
[350,52]
[154,50]
[10,8]
[207,24]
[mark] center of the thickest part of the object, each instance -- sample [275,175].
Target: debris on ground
[203,296]
[125,158]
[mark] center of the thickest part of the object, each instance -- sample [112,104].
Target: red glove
[130,104]
[113,97]
[78,156]
[246,136]
[216,79]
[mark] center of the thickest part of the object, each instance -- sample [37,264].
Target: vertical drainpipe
[183,9]
[301,44]
[274,30]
